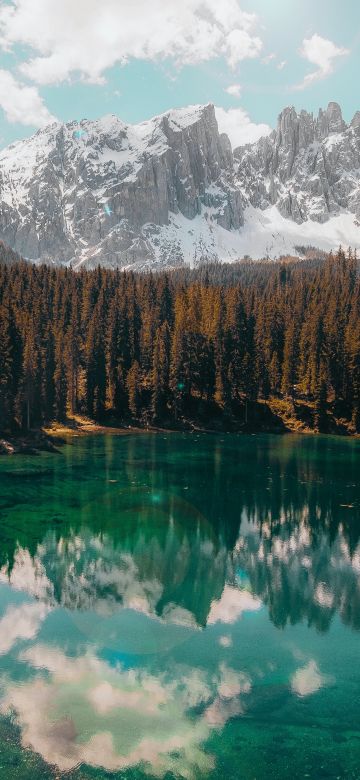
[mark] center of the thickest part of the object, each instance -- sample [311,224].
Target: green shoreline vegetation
[265,346]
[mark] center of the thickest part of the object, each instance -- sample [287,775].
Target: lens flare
[79,133]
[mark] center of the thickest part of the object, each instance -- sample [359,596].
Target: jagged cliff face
[170,190]
[103,190]
[309,168]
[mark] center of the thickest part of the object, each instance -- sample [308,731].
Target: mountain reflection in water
[143,583]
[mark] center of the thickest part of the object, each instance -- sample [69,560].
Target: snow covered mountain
[171,190]
[308,173]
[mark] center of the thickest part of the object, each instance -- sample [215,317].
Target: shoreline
[79,426]
[273,416]
[51,436]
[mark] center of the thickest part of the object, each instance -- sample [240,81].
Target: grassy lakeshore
[78,425]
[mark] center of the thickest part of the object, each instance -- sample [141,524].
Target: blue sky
[138,58]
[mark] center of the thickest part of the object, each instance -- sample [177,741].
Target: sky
[137,58]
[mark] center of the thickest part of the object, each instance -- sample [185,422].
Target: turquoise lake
[181,606]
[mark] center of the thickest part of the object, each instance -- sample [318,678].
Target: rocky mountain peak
[330,121]
[171,190]
[294,132]
[355,122]
[103,189]
[309,168]
[299,130]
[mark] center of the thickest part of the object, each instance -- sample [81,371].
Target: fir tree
[161,371]
[6,371]
[133,389]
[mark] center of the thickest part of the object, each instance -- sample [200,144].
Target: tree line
[164,347]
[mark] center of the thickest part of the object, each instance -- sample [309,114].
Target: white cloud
[282,64]
[240,45]
[324,596]
[231,606]
[307,680]
[227,704]
[28,574]
[234,90]
[105,698]
[180,616]
[232,683]
[20,623]
[22,103]
[225,641]
[85,711]
[269,58]
[87,37]
[237,124]
[322,53]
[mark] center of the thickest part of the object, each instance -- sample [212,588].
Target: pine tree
[60,378]
[179,362]
[27,401]
[161,371]
[112,356]
[179,343]
[6,371]
[222,345]
[48,373]
[321,422]
[288,377]
[73,352]
[133,389]
[95,364]
[353,349]
[274,372]
[17,364]
[236,341]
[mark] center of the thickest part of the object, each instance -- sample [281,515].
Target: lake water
[181,606]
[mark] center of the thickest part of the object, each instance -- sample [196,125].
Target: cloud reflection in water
[82,710]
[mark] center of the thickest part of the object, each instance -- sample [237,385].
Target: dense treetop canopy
[156,348]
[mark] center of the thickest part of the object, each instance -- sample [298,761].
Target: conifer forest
[207,344]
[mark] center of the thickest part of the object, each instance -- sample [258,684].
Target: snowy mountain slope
[170,190]
[309,168]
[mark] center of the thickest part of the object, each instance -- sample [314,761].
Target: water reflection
[302,576]
[126,716]
[168,561]
[190,581]
[142,586]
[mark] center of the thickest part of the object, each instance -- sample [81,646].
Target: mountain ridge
[171,190]
[322,149]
